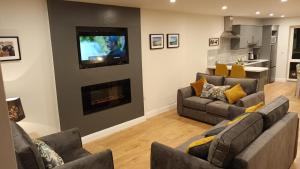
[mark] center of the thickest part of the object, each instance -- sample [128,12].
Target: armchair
[67,144]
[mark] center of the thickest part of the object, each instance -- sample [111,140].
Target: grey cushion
[196,103]
[252,99]
[215,80]
[274,111]
[234,139]
[249,85]
[218,108]
[235,111]
[26,152]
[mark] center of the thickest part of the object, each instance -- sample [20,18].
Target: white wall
[283,43]
[32,78]
[166,70]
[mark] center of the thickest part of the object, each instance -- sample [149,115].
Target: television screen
[102,48]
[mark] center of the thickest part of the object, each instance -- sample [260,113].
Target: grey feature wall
[64,17]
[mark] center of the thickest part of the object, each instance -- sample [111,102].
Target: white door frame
[7,152]
[290,52]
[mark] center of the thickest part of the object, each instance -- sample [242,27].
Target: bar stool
[221,70]
[237,71]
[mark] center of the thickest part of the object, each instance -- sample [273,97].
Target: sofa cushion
[218,108]
[196,103]
[184,145]
[235,94]
[235,139]
[200,148]
[249,85]
[274,111]
[215,80]
[50,157]
[26,152]
[198,86]
[214,92]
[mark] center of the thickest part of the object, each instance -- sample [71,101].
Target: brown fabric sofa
[264,140]
[214,111]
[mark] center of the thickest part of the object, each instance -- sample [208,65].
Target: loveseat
[263,140]
[67,144]
[215,111]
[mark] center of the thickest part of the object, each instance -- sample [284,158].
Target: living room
[53,83]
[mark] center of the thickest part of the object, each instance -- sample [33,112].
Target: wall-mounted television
[102,46]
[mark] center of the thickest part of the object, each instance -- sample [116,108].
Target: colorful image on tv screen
[102,48]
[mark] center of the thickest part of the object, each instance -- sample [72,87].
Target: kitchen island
[259,73]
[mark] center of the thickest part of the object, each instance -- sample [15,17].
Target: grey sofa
[212,111]
[264,140]
[67,144]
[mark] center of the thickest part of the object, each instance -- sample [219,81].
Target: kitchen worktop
[247,68]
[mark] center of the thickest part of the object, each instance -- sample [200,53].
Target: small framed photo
[173,40]
[9,48]
[214,41]
[156,41]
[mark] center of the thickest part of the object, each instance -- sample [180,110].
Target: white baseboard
[158,111]
[280,80]
[112,130]
[126,125]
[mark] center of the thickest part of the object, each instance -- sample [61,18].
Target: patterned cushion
[50,157]
[214,92]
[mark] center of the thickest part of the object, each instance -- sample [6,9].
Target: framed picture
[214,41]
[9,48]
[173,40]
[156,41]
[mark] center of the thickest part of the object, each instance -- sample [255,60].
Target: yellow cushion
[235,94]
[200,142]
[198,86]
[255,107]
[237,119]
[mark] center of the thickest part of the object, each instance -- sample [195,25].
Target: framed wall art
[173,40]
[214,41]
[156,41]
[9,48]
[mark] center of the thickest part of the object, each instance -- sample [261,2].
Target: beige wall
[166,70]
[283,43]
[32,78]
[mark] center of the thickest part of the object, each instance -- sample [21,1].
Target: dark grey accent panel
[64,16]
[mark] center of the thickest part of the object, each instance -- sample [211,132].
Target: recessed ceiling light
[284,0]
[257,13]
[224,7]
[271,14]
[282,16]
[172,1]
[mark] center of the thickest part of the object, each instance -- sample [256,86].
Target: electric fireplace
[103,96]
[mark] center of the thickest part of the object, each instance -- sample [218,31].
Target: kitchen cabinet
[249,36]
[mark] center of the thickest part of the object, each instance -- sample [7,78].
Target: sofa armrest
[181,95]
[103,160]
[64,142]
[235,111]
[163,157]
[252,99]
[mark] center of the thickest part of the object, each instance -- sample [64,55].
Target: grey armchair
[67,144]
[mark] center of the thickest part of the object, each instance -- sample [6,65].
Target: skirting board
[126,125]
[280,80]
[112,130]
[158,111]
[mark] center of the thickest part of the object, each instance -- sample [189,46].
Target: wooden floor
[131,147]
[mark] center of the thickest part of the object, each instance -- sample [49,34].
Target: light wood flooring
[131,147]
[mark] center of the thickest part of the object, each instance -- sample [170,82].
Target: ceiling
[246,8]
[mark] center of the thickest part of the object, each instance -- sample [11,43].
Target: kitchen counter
[247,68]
[259,73]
